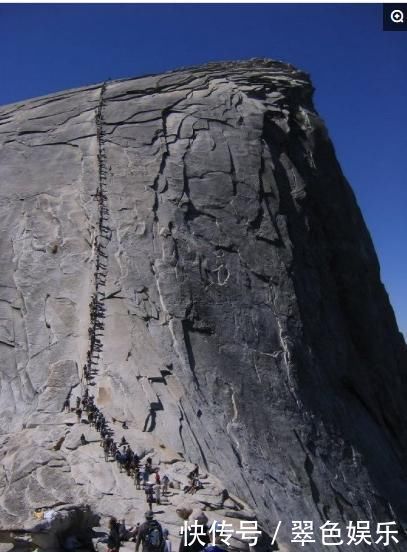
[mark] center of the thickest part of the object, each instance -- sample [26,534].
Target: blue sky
[358,70]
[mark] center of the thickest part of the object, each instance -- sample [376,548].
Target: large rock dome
[243,323]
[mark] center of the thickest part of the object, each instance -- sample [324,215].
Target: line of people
[127,460]
[97,307]
[149,534]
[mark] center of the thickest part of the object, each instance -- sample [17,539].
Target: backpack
[154,536]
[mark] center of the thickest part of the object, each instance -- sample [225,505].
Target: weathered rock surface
[246,325]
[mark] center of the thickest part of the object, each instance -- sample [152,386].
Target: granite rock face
[246,325]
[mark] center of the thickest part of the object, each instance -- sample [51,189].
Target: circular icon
[397,16]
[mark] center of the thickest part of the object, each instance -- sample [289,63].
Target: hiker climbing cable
[137,478]
[149,496]
[165,484]
[194,473]
[113,540]
[150,535]
[146,476]
[167,542]
[157,491]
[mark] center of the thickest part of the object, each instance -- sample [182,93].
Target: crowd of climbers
[149,534]
[153,538]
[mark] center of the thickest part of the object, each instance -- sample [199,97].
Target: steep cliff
[245,324]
